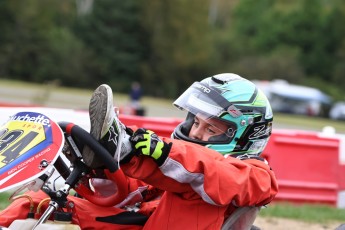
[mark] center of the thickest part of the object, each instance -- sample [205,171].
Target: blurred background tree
[117,41]
[166,45]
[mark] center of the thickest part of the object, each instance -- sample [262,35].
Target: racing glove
[146,142]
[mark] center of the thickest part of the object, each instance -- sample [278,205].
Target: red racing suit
[201,188]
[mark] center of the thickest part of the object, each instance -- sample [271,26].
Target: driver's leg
[105,127]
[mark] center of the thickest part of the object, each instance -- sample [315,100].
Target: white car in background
[295,99]
[337,111]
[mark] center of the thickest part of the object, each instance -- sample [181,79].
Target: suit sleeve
[194,169]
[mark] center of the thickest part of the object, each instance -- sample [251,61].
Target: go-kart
[33,148]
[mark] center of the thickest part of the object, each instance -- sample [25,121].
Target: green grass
[312,123]
[4,202]
[151,104]
[313,213]
[280,120]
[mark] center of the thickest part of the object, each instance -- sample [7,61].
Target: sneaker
[106,128]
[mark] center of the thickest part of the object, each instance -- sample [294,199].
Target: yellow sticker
[18,137]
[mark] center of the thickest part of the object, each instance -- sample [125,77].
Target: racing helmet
[235,101]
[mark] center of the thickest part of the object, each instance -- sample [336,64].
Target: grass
[61,97]
[311,123]
[312,213]
[4,202]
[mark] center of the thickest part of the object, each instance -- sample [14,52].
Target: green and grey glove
[146,142]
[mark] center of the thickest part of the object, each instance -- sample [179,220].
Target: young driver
[210,166]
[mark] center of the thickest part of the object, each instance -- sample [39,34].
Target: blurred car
[337,111]
[295,99]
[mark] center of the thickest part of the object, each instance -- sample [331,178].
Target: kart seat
[242,218]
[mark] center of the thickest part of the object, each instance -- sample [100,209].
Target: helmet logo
[260,131]
[234,112]
[203,88]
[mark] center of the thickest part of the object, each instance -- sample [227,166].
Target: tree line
[166,45]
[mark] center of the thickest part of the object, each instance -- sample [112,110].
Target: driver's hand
[147,143]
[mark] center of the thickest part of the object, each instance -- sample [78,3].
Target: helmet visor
[207,104]
[199,98]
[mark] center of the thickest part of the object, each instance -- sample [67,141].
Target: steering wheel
[112,171]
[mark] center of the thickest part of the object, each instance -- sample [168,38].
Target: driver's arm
[193,169]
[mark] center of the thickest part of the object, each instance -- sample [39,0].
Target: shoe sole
[101,104]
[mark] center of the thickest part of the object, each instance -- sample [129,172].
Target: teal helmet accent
[235,101]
